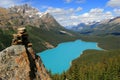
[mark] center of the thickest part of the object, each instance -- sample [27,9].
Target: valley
[46,33]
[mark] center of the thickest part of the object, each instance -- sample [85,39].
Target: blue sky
[72,12]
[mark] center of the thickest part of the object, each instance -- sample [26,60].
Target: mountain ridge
[42,27]
[109,26]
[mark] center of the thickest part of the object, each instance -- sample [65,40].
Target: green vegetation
[91,65]
[107,42]
[94,65]
[38,36]
[6,37]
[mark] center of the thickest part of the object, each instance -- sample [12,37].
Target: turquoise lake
[59,59]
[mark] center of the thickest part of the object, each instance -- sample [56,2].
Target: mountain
[34,17]
[84,26]
[45,32]
[9,19]
[110,26]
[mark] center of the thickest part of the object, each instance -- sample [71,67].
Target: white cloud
[78,9]
[80,1]
[117,12]
[114,3]
[64,16]
[69,17]
[96,10]
[75,1]
[68,1]
[96,14]
[8,3]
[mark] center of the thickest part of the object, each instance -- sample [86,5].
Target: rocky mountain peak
[32,16]
[19,62]
[50,21]
[115,20]
[24,7]
[46,15]
[3,11]
[25,10]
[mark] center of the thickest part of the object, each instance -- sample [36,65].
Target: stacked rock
[21,38]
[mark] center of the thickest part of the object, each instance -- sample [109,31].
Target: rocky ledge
[19,62]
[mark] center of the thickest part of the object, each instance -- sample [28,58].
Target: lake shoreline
[78,44]
[82,53]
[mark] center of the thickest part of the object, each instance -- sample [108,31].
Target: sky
[72,12]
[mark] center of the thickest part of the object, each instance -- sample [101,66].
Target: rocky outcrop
[48,45]
[19,62]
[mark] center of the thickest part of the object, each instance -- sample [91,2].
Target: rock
[21,37]
[20,63]
[48,45]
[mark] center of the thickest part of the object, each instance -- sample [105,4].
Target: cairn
[21,38]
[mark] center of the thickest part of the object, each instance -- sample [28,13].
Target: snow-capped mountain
[109,26]
[45,32]
[84,26]
[32,16]
[25,10]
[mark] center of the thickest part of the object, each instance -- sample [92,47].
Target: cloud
[96,14]
[113,3]
[75,1]
[117,12]
[78,9]
[64,16]
[8,3]
[70,17]
[80,1]
[96,10]
[68,1]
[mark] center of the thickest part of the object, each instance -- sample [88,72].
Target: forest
[95,64]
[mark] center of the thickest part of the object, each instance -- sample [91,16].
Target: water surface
[58,59]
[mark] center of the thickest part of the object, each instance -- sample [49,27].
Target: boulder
[20,63]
